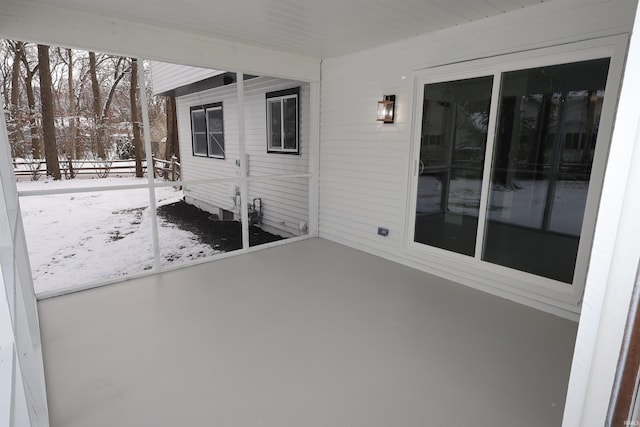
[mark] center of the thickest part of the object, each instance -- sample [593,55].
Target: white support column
[244,159]
[613,263]
[314,157]
[147,147]
[27,402]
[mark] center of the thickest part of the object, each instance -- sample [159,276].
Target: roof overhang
[263,37]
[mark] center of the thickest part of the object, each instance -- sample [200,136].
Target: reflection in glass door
[455,120]
[545,142]
[546,127]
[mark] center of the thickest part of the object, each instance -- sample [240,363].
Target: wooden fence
[34,169]
[167,169]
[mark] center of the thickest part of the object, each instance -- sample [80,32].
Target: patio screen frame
[242,181]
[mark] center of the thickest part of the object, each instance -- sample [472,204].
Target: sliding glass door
[452,147]
[542,152]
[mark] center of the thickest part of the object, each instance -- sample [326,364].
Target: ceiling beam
[40,23]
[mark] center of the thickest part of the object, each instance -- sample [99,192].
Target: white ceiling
[315,28]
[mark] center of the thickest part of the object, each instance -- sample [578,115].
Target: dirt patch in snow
[223,236]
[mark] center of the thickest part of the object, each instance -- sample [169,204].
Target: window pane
[198,123]
[541,166]
[216,133]
[291,123]
[199,132]
[453,139]
[200,144]
[216,144]
[274,124]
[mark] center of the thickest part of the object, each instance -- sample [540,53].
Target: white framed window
[207,131]
[283,121]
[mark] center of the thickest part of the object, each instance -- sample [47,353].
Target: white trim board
[613,263]
[28,400]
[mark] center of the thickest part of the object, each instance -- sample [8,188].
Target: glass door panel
[542,159]
[455,119]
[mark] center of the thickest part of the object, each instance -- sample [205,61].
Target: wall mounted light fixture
[387,109]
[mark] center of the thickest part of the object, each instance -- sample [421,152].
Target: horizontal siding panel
[376,191]
[370,198]
[165,76]
[352,238]
[369,222]
[364,132]
[371,160]
[283,198]
[392,177]
[365,207]
[368,229]
[354,227]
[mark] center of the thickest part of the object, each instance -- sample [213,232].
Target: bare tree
[48,126]
[90,106]
[97,107]
[15,79]
[71,142]
[14,122]
[101,111]
[31,102]
[172,148]
[5,70]
[135,121]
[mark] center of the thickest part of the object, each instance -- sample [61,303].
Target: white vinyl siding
[365,168]
[165,76]
[285,202]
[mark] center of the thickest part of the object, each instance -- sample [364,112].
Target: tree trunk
[97,107]
[71,142]
[14,125]
[33,123]
[135,121]
[31,103]
[172,147]
[15,80]
[48,127]
[71,138]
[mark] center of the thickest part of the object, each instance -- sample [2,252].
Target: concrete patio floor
[311,333]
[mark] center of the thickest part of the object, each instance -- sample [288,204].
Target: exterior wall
[165,76]
[285,203]
[364,166]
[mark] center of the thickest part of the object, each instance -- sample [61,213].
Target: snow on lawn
[78,238]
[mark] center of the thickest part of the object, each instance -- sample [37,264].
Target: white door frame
[550,295]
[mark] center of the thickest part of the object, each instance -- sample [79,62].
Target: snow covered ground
[78,238]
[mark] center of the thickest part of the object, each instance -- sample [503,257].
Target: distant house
[277,128]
